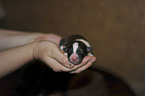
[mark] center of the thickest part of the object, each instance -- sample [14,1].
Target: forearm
[10,39]
[12,59]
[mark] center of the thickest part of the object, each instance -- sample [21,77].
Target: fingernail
[70,64]
[93,60]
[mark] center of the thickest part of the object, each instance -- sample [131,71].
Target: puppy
[75,47]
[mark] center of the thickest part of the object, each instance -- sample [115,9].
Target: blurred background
[114,28]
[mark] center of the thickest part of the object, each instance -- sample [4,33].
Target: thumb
[61,58]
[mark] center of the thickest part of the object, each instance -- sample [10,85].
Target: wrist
[29,48]
[33,50]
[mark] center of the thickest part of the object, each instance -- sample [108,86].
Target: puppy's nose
[74,58]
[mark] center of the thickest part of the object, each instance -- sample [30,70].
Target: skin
[18,48]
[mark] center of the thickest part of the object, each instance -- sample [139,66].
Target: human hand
[51,37]
[87,62]
[50,54]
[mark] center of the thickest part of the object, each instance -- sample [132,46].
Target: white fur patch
[75,47]
[90,54]
[65,54]
[61,47]
[84,41]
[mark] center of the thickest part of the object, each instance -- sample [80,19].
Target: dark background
[115,29]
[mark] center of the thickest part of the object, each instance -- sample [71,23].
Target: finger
[85,66]
[61,58]
[85,61]
[56,38]
[56,66]
[93,59]
[53,37]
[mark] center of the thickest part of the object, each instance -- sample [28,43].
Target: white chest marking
[75,47]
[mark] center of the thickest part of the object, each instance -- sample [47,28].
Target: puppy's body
[76,48]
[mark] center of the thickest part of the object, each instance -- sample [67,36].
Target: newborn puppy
[76,48]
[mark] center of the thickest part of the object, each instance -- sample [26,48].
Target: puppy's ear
[62,41]
[89,49]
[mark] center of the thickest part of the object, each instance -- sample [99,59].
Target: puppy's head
[76,51]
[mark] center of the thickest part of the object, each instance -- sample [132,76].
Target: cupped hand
[55,58]
[86,63]
[50,54]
